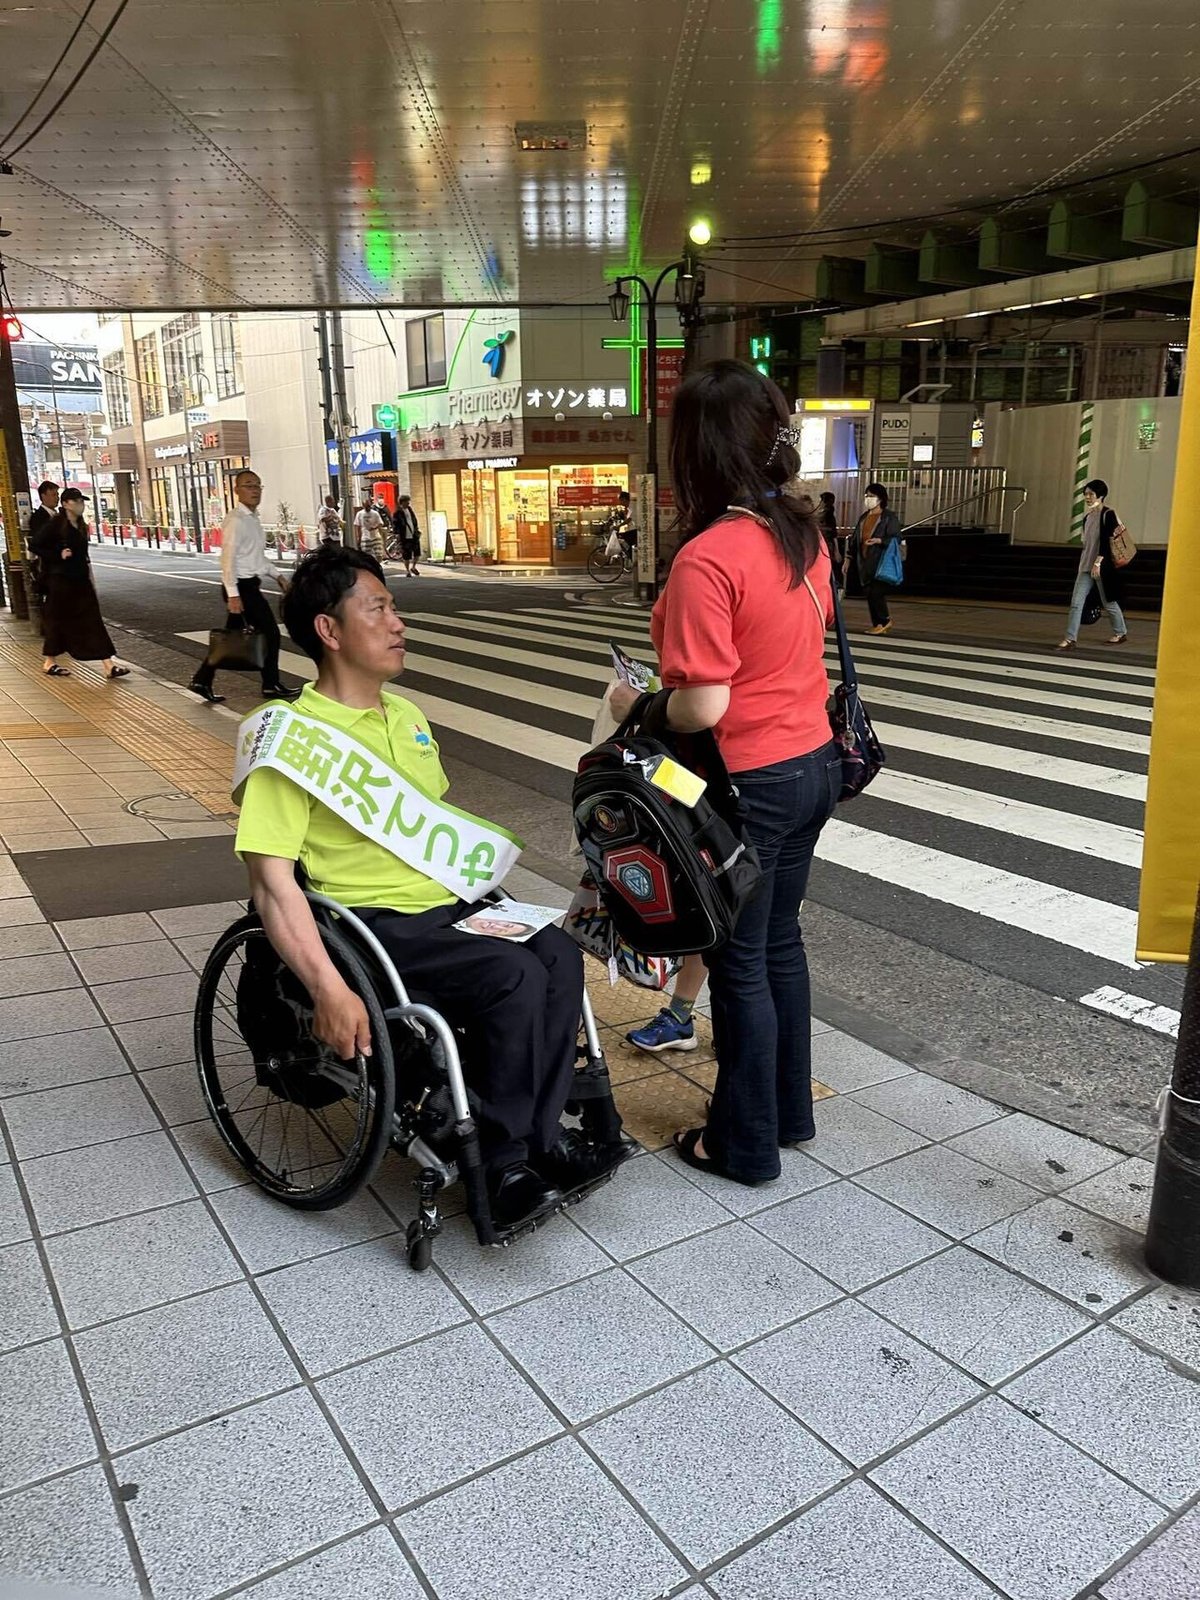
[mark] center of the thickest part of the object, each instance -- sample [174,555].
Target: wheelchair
[312,1130]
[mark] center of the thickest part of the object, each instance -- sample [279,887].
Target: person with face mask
[874,531]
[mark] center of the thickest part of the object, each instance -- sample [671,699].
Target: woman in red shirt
[740,634]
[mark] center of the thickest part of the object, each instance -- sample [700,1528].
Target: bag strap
[845,659]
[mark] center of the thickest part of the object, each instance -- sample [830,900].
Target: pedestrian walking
[43,514]
[244,565]
[409,531]
[1097,568]
[875,530]
[46,508]
[71,620]
[368,530]
[828,523]
[329,521]
[740,634]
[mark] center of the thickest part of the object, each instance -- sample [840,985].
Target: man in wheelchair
[520,1002]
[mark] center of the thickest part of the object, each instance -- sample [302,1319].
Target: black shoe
[204,690]
[278,692]
[520,1195]
[574,1160]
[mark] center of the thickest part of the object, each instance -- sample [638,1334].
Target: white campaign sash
[463,853]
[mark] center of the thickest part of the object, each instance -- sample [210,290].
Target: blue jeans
[761,1006]
[1079,597]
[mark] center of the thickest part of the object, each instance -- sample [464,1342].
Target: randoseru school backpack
[658,827]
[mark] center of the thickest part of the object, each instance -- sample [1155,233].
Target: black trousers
[877,602]
[257,614]
[520,1005]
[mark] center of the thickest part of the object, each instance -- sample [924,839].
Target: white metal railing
[931,499]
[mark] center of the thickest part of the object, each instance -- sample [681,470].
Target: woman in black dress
[71,620]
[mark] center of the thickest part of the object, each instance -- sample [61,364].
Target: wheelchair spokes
[309,1128]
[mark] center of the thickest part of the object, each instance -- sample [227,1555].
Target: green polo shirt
[279,819]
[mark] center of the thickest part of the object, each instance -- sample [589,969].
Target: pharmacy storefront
[522,471]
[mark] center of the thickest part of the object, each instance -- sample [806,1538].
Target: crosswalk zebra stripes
[1004,829]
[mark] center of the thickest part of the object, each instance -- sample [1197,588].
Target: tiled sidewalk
[85,762]
[924,1365]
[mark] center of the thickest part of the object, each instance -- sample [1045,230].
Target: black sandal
[685,1143]
[55,672]
[118,672]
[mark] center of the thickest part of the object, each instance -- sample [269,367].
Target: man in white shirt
[368,530]
[329,521]
[244,565]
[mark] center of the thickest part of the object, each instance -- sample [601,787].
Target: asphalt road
[957,917]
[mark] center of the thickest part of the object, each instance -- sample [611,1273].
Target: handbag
[590,925]
[236,649]
[861,752]
[890,569]
[1092,609]
[1122,546]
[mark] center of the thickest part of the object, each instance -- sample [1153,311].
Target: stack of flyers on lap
[635,673]
[513,920]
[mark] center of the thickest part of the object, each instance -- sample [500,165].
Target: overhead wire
[101,40]
[50,76]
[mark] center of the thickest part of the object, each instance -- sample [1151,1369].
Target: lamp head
[618,301]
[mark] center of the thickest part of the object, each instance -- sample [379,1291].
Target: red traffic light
[12,328]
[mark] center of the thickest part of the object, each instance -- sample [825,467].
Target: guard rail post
[1173,1231]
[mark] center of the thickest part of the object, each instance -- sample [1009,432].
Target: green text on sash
[463,853]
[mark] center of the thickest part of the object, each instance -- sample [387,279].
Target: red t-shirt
[728,616]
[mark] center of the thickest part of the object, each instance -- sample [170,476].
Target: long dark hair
[727,449]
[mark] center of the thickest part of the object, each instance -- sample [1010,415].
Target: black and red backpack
[673,877]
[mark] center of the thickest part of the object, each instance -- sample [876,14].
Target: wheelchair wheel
[309,1129]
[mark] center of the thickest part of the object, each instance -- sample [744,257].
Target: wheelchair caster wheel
[420,1247]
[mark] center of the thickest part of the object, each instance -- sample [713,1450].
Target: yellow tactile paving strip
[192,762]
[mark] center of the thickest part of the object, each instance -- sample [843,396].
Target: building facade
[513,433]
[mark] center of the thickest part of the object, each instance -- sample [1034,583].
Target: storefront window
[445,497]
[160,496]
[523,523]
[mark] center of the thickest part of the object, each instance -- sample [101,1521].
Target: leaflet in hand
[635,673]
[510,919]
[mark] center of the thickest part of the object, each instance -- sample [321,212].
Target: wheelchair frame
[591,1095]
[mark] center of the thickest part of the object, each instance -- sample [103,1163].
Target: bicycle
[605,564]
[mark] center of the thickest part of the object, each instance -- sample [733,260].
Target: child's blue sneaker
[666,1032]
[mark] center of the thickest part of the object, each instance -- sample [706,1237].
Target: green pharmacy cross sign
[388,418]
[493,352]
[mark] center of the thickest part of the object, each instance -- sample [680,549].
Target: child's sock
[681,1010]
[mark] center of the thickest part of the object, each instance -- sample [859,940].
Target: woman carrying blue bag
[876,551]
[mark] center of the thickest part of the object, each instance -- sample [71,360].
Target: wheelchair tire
[309,1130]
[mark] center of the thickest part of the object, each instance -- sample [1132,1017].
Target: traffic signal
[13,330]
[760,353]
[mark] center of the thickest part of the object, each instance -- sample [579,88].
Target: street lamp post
[689,287]
[196,376]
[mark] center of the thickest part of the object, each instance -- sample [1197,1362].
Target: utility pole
[15,503]
[340,420]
